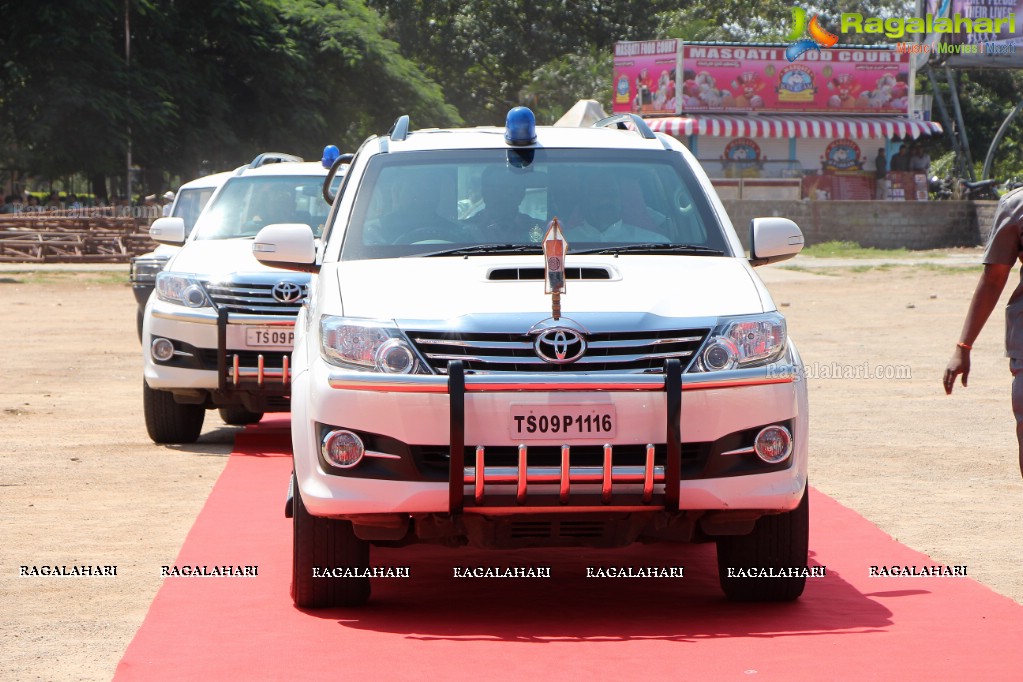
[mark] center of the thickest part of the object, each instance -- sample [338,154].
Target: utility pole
[127,72]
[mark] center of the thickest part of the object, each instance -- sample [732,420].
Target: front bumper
[671,412]
[142,272]
[212,351]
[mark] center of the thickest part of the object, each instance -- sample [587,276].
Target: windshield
[432,202]
[246,205]
[189,204]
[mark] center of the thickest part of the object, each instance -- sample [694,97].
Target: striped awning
[785,126]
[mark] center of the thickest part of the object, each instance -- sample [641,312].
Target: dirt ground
[82,484]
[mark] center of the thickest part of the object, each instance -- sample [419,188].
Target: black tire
[170,422]
[139,315]
[777,541]
[237,415]
[326,544]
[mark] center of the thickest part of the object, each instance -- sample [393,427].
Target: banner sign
[996,41]
[761,79]
[663,77]
[646,73]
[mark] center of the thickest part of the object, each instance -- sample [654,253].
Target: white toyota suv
[217,332]
[524,336]
[189,201]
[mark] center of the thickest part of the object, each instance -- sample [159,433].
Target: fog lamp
[342,449]
[773,444]
[162,349]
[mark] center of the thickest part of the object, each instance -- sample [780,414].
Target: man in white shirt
[602,216]
[168,202]
[501,219]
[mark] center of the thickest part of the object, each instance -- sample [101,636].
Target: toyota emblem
[559,345]
[286,292]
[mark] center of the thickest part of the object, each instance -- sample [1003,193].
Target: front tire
[777,541]
[326,544]
[168,421]
[237,415]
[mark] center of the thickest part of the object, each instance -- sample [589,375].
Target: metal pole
[1002,129]
[945,120]
[127,72]
[959,119]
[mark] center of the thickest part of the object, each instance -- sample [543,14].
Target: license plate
[269,336]
[562,421]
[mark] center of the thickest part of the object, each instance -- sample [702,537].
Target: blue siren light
[520,127]
[330,154]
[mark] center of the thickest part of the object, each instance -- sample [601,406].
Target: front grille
[253,298]
[631,352]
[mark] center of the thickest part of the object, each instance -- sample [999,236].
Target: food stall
[763,126]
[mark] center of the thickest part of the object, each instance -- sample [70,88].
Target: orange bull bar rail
[600,482]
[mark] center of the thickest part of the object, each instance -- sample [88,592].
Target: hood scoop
[536,274]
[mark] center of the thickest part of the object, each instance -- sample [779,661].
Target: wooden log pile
[41,238]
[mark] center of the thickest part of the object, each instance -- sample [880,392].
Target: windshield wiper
[484,248]
[652,247]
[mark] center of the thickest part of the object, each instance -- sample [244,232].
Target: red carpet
[434,626]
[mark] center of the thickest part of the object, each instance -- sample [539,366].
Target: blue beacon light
[520,127]
[330,154]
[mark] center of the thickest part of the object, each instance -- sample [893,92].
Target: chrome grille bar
[533,360]
[608,351]
[633,343]
[528,345]
[461,343]
[253,298]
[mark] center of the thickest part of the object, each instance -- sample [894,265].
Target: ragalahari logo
[819,36]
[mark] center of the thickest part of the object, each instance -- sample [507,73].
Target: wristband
[964,346]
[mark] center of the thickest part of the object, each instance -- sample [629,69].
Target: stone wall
[880,224]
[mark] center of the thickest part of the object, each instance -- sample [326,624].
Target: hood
[442,288]
[208,256]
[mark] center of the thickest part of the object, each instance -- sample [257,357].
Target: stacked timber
[41,238]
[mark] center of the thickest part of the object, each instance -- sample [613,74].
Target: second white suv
[218,331]
[189,202]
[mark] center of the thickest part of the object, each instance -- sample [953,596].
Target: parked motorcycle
[950,188]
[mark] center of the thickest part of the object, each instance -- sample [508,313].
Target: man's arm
[985,297]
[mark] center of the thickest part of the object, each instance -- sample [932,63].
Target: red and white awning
[820,127]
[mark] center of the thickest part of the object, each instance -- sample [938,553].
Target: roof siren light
[520,127]
[330,154]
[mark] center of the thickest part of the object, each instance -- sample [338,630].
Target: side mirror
[168,231]
[291,246]
[773,239]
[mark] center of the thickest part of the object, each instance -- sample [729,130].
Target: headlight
[366,345]
[144,270]
[181,289]
[747,341]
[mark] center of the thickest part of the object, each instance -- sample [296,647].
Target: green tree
[485,52]
[207,85]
